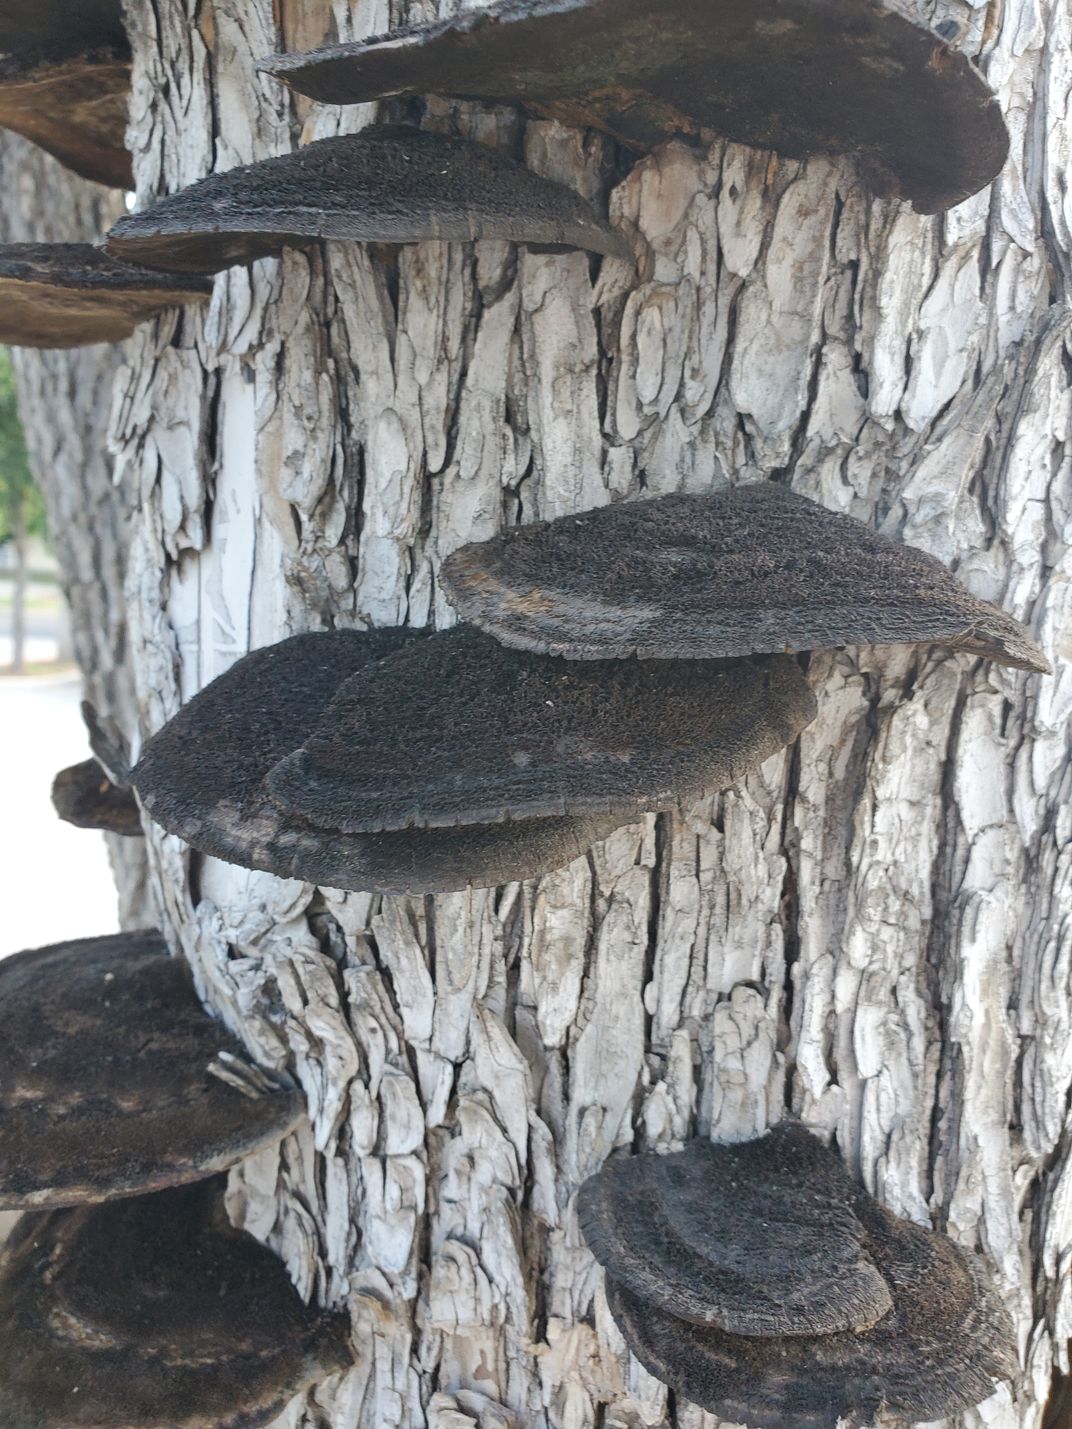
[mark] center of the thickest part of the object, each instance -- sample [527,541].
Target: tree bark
[872,932]
[65,401]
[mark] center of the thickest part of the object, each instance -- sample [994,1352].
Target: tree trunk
[872,932]
[65,402]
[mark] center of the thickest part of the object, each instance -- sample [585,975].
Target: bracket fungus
[203,778]
[71,294]
[115,1081]
[388,184]
[741,571]
[84,795]
[492,735]
[710,1257]
[154,1313]
[796,76]
[72,105]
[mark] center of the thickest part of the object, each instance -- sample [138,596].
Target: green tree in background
[22,512]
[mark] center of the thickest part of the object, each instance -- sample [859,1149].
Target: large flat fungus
[72,294]
[115,1081]
[489,735]
[713,1299]
[203,777]
[64,83]
[387,184]
[745,570]
[796,76]
[154,1313]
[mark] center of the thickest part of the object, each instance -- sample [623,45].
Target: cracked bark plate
[202,777]
[71,294]
[84,795]
[387,184]
[458,730]
[740,571]
[153,1313]
[73,104]
[757,1238]
[114,1080]
[796,76]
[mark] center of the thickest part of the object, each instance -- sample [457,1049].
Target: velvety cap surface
[740,571]
[938,1349]
[387,184]
[758,1238]
[796,76]
[202,777]
[105,1081]
[153,1313]
[490,734]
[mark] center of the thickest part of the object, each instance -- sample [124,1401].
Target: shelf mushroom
[72,294]
[153,1313]
[203,775]
[115,1081]
[490,735]
[740,571]
[398,762]
[796,76]
[85,796]
[388,184]
[64,83]
[760,1282]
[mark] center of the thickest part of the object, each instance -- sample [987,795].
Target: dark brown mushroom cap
[202,777]
[760,1238]
[83,795]
[69,294]
[740,571]
[72,103]
[387,184]
[738,1231]
[153,1313]
[797,76]
[105,1081]
[458,730]
[940,1349]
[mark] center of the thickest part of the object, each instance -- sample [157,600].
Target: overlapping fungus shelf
[388,184]
[84,795]
[203,778]
[71,294]
[153,1313]
[490,735]
[760,1282]
[744,570]
[115,1081]
[796,76]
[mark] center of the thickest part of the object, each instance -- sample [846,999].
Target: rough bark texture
[65,401]
[874,931]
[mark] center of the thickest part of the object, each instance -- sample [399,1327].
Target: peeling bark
[874,931]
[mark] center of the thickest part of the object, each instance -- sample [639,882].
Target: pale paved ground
[55,882]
